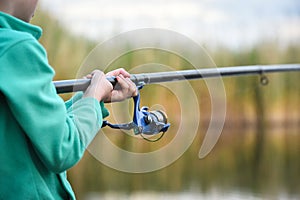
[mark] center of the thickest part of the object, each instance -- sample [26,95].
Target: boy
[40,135]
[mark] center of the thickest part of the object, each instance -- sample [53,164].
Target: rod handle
[75,85]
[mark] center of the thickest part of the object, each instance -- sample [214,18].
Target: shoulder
[22,52]
[11,39]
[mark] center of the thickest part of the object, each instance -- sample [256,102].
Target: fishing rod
[154,122]
[75,85]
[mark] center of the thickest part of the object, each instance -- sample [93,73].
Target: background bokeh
[257,155]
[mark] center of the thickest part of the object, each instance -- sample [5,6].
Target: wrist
[107,99]
[89,94]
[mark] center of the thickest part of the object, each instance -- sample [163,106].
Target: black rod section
[66,86]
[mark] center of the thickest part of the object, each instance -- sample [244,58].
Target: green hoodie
[40,135]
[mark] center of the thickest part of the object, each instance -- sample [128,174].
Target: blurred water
[212,195]
[231,171]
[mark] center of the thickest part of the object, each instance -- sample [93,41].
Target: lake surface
[233,170]
[212,195]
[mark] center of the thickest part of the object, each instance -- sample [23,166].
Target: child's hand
[100,88]
[124,88]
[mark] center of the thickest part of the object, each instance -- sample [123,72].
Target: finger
[89,76]
[118,72]
[124,73]
[132,87]
[122,82]
[96,71]
[96,76]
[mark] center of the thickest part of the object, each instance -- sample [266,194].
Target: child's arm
[59,136]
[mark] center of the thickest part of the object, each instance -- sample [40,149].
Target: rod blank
[66,86]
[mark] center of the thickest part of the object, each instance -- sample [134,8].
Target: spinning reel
[144,122]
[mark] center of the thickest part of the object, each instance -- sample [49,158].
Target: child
[40,135]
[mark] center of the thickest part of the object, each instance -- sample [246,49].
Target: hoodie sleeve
[78,96]
[59,133]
